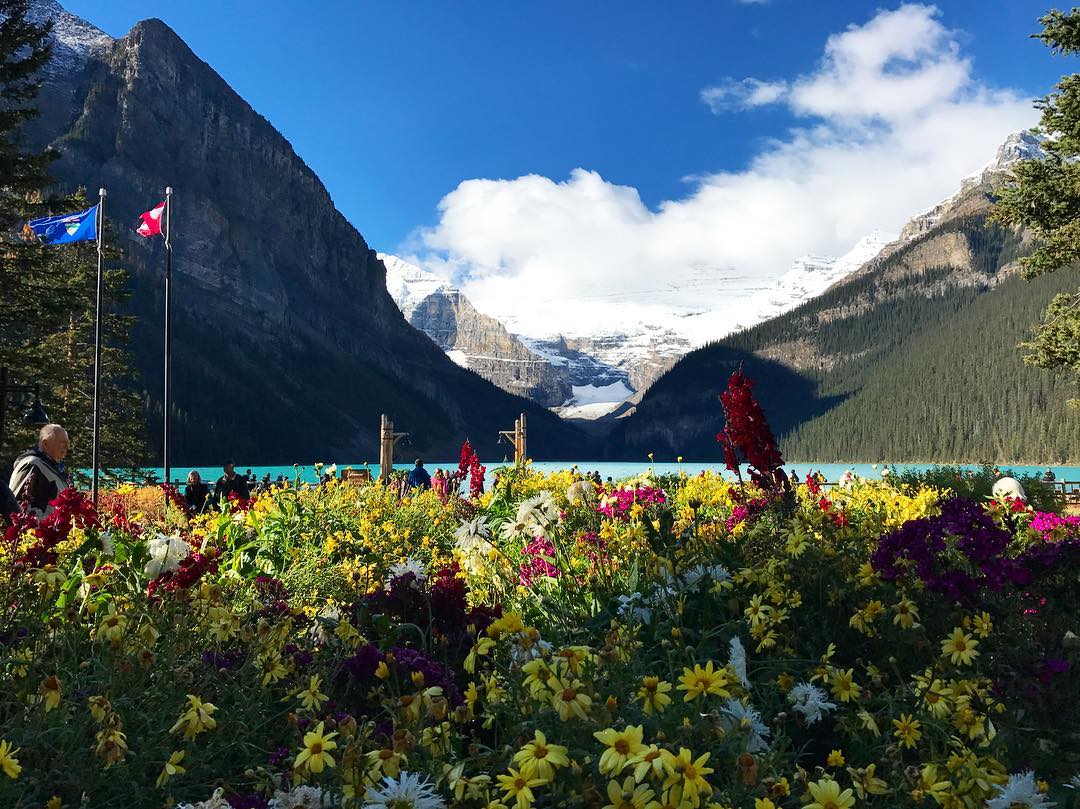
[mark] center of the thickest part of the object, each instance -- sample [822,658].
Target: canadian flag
[151,221]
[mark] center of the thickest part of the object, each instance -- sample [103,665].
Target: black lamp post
[34,417]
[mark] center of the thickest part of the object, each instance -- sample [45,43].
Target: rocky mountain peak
[74,39]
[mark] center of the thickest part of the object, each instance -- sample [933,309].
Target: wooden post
[387,440]
[517,437]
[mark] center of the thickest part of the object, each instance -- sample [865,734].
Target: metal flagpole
[97,341]
[168,331]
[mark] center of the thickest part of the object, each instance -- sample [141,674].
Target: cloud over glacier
[886,124]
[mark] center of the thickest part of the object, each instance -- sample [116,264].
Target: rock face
[287,346]
[472,339]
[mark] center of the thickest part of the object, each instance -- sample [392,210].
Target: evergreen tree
[47,310]
[1046,199]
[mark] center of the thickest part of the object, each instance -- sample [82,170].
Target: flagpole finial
[101,192]
[168,190]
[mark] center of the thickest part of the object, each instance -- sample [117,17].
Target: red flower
[746,435]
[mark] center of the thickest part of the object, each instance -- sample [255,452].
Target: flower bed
[675,642]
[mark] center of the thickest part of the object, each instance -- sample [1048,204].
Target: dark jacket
[225,487]
[195,495]
[419,478]
[8,504]
[36,479]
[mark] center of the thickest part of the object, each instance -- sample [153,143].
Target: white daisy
[737,658]
[407,791]
[166,554]
[739,717]
[302,797]
[809,702]
[631,607]
[410,565]
[108,545]
[718,574]
[1020,793]
[538,511]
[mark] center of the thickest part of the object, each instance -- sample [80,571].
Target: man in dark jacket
[38,474]
[419,477]
[231,483]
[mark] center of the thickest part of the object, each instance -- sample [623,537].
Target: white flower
[528,647]
[1020,793]
[215,801]
[737,658]
[108,545]
[579,492]
[631,606]
[331,469]
[847,479]
[810,702]
[744,718]
[410,565]
[1074,782]
[538,511]
[718,573]
[302,797]
[407,791]
[473,528]
[166,554]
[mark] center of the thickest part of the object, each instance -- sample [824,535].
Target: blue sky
[394,104]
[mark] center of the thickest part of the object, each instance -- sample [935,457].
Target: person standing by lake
[419,477]
[38,475]
[196,492]
[231,483]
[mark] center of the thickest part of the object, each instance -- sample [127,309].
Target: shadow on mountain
[681,413]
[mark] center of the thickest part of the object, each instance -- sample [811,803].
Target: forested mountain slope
[913,358]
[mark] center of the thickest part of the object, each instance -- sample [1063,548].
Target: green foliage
[1045,198]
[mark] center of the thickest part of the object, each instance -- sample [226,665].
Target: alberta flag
[72,227]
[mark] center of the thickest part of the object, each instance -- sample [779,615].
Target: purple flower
[362,665]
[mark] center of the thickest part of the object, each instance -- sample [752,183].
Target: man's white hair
[49,432]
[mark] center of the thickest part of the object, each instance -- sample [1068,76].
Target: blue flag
[72,227]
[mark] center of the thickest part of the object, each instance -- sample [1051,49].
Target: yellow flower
[54,802]
[621,745]
[982,624]
[763,803]
[907,613]
[700,681]
[869,722]
[311,698]
[688,775]
[930,787]
[544,758]
[8,762]
[315,755]
[568,698]
[197,718]
[385,762]
[907,730]
[172,767]
[843,685]
[654,695]
[960,647]
[630,795]
[866,783]
[835,759]
[518,784]
[50,692]
[273,669]
[648,761]
[100,707]
[827,795]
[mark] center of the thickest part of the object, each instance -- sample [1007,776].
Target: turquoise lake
[618,470]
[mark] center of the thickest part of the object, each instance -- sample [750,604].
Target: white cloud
[734,94]
[891,119]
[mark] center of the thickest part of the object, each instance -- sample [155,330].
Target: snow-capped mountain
[605,363]
[74,39]
[471,339]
